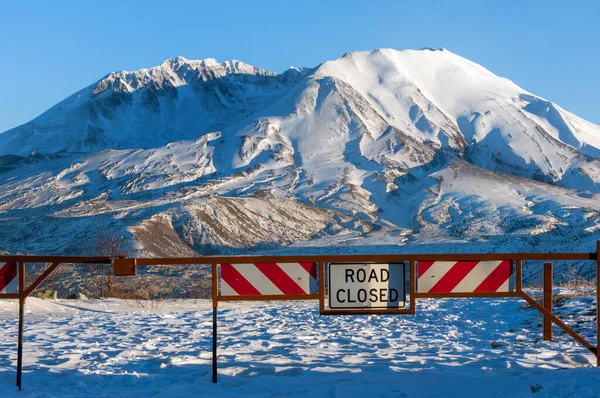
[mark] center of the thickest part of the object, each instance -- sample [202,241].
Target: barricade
[357,284]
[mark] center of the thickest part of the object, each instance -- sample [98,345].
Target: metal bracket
[125,266]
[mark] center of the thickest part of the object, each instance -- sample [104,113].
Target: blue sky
[49,50]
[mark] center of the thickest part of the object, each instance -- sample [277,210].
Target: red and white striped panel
[8,278]
[268,279]
[464,276]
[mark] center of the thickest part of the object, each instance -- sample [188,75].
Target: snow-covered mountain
[375,150]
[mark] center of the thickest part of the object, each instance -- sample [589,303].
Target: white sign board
[360,285]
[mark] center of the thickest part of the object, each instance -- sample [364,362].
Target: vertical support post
[215,301]
[214,346]
[597,303]
[321,286]
[21,321]
[547,300]
[519,276]
[413,287]
[24,282]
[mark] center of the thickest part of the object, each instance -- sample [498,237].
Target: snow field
[461,347]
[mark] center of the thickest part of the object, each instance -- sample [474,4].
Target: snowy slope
[178,99]
[382,150]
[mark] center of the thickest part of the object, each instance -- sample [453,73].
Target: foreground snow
[114,348]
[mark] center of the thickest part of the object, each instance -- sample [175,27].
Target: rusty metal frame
[21,322]
[24,292]
[55,261]
[270,297]
[469,295]
[10,296]
[546,308]
[413,288]
[215,304]
[216,298]
[547,294]
[385,258]
[518,258]
[58,259]
[558,322]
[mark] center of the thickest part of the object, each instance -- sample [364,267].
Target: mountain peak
[227,67]
[177,71]
[432,95]
[433,49]
[178,62]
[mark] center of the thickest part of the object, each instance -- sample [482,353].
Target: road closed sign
[361,285]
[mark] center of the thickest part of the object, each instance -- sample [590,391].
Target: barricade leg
[20,345]
[214,346]
[547,300]
[21,320]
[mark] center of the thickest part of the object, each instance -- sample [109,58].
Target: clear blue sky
[49,49]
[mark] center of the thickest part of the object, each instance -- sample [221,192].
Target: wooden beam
[40,279]
[468,295]
[519,277]
[272,297]
[413,287]
[366,258]
[57,259]
[560,323]
[321,276]
[547,300]
[369,311]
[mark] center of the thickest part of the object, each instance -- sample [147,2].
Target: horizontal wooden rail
[272,297]
[57,259]
[304,258]
[467,295]
[387,258]
[368,311]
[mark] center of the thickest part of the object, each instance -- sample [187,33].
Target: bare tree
[109,244]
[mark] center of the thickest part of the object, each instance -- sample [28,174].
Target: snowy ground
[113,348]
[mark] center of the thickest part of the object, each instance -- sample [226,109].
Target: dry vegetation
[571,284]
[148,289]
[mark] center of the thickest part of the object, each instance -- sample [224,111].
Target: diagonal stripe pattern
[8,278]
[263,279]
[464,276]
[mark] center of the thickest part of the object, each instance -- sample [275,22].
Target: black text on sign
[362,285]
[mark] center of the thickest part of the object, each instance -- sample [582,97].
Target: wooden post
[22,296]
[547,300]
[214,346]
[519,277]
[215,302]
[25,283]
[413,287]
[597,303]
[321,286]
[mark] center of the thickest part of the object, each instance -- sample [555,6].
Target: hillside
[381,150]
